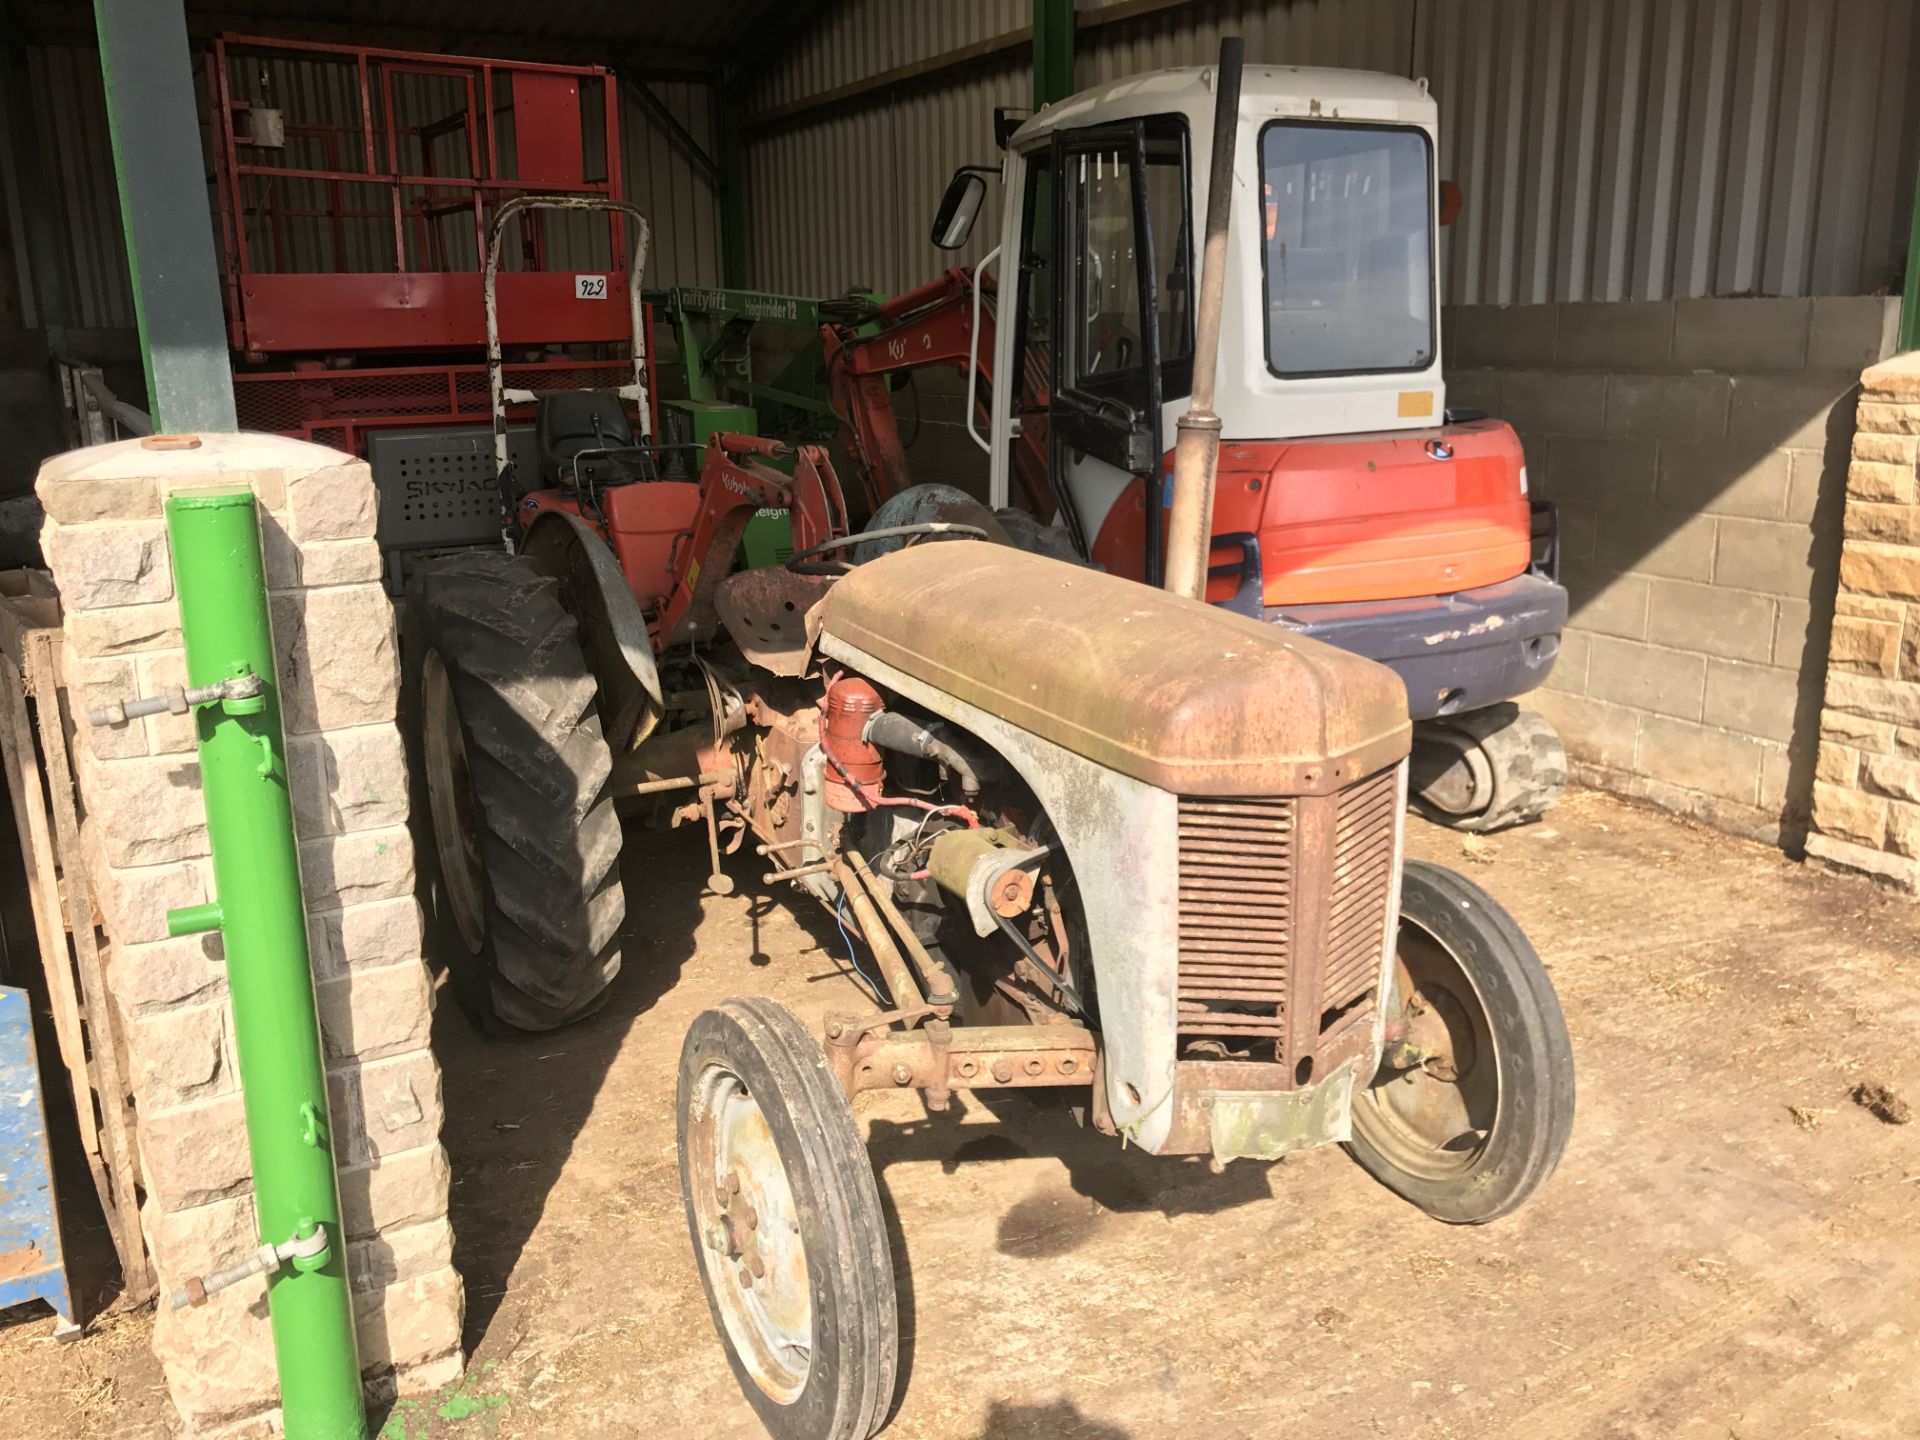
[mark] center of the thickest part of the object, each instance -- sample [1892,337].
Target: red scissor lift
[355,187]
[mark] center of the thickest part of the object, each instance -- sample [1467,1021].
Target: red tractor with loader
[1090,835]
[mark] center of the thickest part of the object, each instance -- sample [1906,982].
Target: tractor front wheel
[1473,1101]
[786,1224]
[516,843]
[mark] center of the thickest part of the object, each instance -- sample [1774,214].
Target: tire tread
[539,766]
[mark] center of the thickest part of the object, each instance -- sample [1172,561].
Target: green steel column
[729,100]
[1052,51]
[155,123]
[215,537]
[1910,298]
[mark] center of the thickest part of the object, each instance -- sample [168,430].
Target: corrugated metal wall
[844,200]
[1608,149]
[1641,149]
[659,177]
[671,188]
[77,155]
[857,39]
[1351,34]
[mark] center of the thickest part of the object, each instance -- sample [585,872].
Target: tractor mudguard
[613,630]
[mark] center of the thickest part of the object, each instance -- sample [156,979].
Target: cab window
[1102,323]
[1348,247]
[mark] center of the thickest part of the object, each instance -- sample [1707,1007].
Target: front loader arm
[734,484]
[930,326]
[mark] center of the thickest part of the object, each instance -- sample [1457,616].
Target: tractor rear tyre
[1487,769]
[516,843]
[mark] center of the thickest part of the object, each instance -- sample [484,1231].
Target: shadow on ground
[1062,1420]
[1045,1223]
[516,1103]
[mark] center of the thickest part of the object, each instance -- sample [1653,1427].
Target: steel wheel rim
[450,798]
[749,1225]
[1430,1126]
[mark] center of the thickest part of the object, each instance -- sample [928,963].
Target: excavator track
[1487,769]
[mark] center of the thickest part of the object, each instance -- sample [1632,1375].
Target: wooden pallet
[39,773]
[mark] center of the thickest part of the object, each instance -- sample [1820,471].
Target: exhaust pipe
[1196,448]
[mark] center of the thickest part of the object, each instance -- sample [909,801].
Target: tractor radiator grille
[1363,860]
[1282,912]
[1236,915]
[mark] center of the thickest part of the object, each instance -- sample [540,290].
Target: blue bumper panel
[1454,652]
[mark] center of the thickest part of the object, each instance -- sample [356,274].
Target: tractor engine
[1101,804]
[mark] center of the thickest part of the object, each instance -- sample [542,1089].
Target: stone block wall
[146,843]
[1698,451]
[1866,793]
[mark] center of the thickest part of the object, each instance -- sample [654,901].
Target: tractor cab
[1350,503]
[1330,335]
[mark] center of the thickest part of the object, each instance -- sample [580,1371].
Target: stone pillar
[146,844]
[1866,794]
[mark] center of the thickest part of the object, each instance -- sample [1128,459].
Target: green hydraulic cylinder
[258,909]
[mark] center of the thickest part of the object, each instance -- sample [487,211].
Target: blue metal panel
[32,1266]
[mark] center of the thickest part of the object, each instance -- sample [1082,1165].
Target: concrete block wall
[1698,452]
[1866,793]
[146,843]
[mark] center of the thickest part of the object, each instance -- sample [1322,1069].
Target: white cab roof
[1265,91]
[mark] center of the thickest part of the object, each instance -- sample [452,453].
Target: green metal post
[154,122]
[1052,51]
[1910,299]
[729,102]
[215,537]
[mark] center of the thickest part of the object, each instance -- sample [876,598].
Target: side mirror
[1006,120]
[1451,201]
[959,208]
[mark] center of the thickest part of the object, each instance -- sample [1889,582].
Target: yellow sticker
[1415,402]
[693,573]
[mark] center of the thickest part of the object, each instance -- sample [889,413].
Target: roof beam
[48,22]
[981,52]
[651,102]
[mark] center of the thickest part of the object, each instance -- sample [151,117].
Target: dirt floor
[1727,1250]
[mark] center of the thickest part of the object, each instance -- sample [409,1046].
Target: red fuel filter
[851,705]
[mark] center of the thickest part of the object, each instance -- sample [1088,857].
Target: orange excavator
[1351,505]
